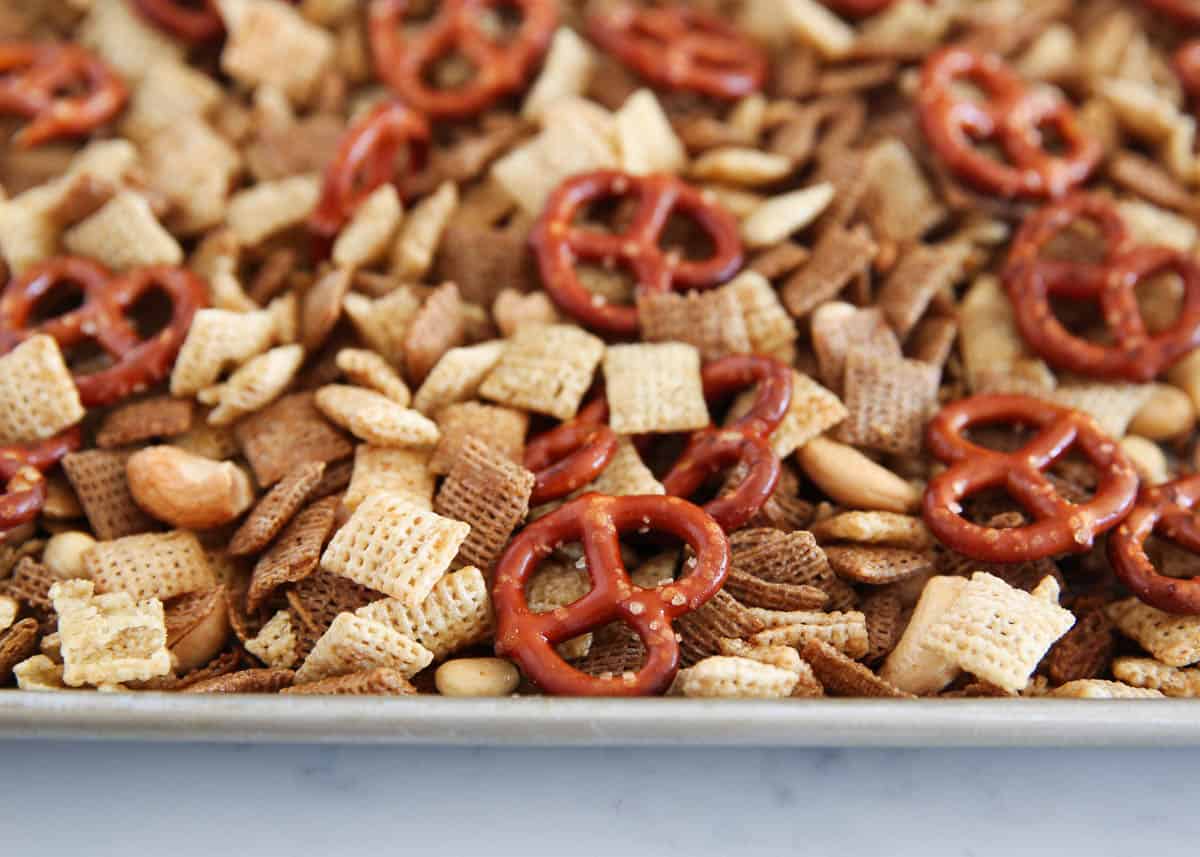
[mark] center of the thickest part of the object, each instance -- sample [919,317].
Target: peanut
[200,643]
[64,552]
[477,677]
[1148,459]
[186,490]
[854,480]
[1186,376]
[911,666]
[1168,413]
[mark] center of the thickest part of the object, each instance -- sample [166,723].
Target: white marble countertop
[181,800]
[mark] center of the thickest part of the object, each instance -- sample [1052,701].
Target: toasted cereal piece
[781,216]
[998,633]
[218,443]
[712,321]
[38,673]
[888,402]
[838,328]
[899,203]
[656,571]
[354,644]
[150,565]
[877,565]
[436,328]
[109,638]
[383,323]
[701,631]
[839,256]
[126,41]
[380,681]
[812,412]
[932,340]
[555,585]
[770,328]
[722,677]
[219,340]
[912,666]
[1094,688]
[99,481]
[244,681]
[275,643]
[613,650]
[1112,405]
[847,632]
[490,493]
[287,434]
[321,307]
[124,234]
[654,388]
[276,508]
[1085,651]
[565,72]
[17,644]
[38,398]
[875,528]
[645,138]
[374,418]
[512,310]
[194,168]
[626,475]
[842,676]
[783,657]
[1150,674]
[395,547]
[316,600]
[271,44]
[457,376]
[1149,224]
[171,94]
[30,585]
[780,557]
[456,614]
[370,370]
[398,471]
[545,369]
[1173,640]
[422,232]
[884,614]
[295,554]
[756,592]
[366,238]
[197,627]
[145,419]
[989,341]
[269,208]
[501,429]
[254,385]
[740,166]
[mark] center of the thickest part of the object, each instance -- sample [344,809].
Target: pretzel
[403,62]
[859,8]
[1134,354]
[21,469]
[746,441]
[571,455]
[136,363]
[1167,510]
[194,22]
[559,244]
[365,160]
[1060,526]
[1012,115]
[1186,63]
[597,521]
[681,48]
[1185,11]
[34,79]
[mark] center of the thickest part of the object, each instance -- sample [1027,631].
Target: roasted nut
[64,554]
[1148,459]
[185,490]
[1168,413]
[854,480]
[477,677]
[199,641]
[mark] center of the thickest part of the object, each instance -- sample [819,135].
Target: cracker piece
[555,585]
[845,631]
[839,256]
[253,386]
[722,677]
[839,328]
[125,40]
[884,614]
[782,216]
[374,418]
[701,631]
[217,341]
[877,565]
[1093,688]
[614,650]
[38,398]
[922,272]
[276,509]
[193,167]
[383,323]
[365,239]
[17,644]
[488,492]
[39,673]
[30,585]
[354,644]
[500,429]
[295,554]
[275,643]
[146,419]
[654,388]
[150,565]
[626,475]
[756,592]
[875,528]
[1173,640]
[456,614]
[395,547]
[368,369]
[842,676]
[380,681]
[107,639]
[436,328]
[545,369]
[270,44]
[932,340]
[566,72]
[645,138]
[512,310]
[783,657]
[245,681]
[1112,405]
[422,232]
[267,209]
[457,376]
[288,433]
[813,411]
[398,471]
[768,325]
[98,479]
[124,234]
[1150,674]
[899,203]
[711,321]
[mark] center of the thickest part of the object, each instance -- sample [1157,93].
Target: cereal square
[888,402]
[456,614]
[457,375]
[546,369]
[38,398]
[354,644]
[150,565]
[108,639]
[1173,640]
[654,388]
[289,433]
[398,471]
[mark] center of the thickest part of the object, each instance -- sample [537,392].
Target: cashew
[185,490]
[854,480]
[1168,413]
[197,644]
[477,677]
[1148,459]
[63,554]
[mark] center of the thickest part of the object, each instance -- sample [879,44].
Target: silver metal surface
[538,721]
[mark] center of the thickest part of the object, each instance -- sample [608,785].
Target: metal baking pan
[607,722]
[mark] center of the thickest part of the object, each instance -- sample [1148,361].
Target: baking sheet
[537,721]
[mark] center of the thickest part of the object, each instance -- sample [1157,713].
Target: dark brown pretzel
[33,82]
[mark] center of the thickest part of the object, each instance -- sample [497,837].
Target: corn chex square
[395,547]
[354,644]
[456,614]
[38,399]
[107,639]
[1173,640]
[150,565]
[654,388]
[397,471]
[546,369]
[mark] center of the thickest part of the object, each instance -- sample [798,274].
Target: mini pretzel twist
[35,79]
[681,48]
[747,441]
[1060,526]
[137,362]
[1011,115]
[567,457]
[559,244]
[1184,11]
[194,22]
[1134,353]
[597,521]
[499,68]
[1168,510]
[21,469]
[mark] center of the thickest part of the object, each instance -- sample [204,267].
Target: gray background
[220,801]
